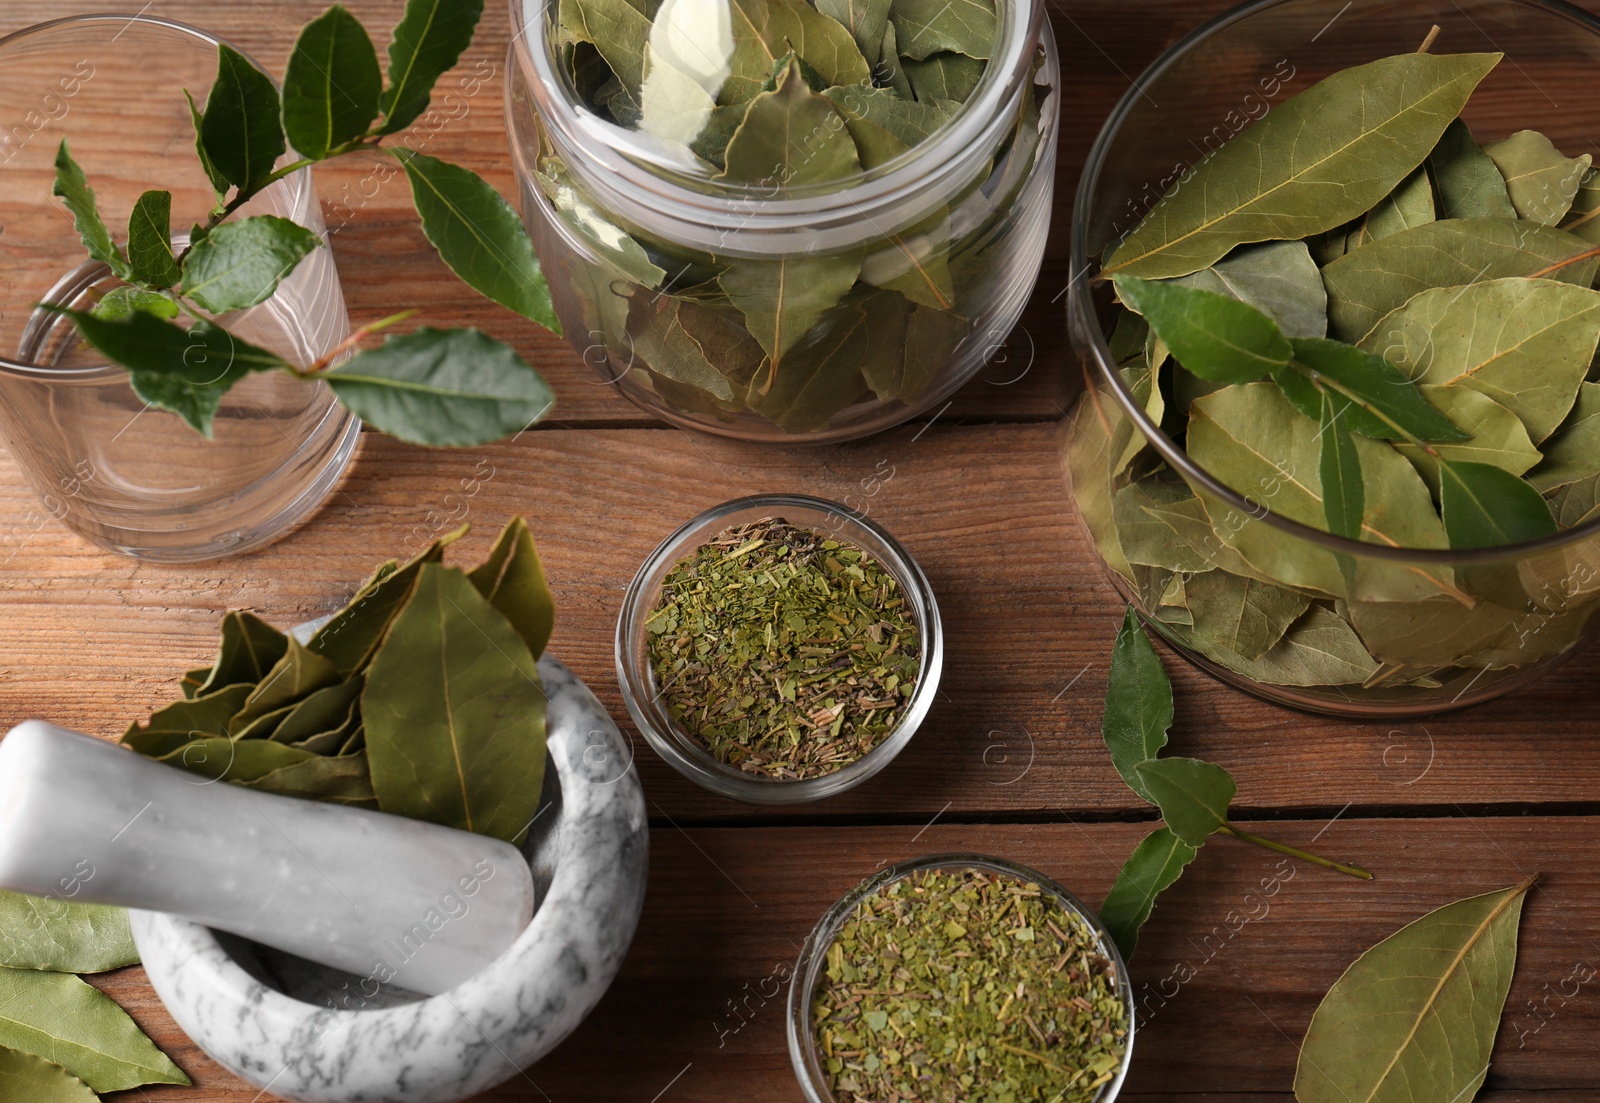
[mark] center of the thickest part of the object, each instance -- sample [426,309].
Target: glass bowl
[1414,632]
[687,756]
[808,973]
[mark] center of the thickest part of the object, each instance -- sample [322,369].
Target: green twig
[1325,863]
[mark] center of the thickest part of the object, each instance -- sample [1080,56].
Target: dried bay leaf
[1573,451]
[1408,206]
[512,580]
[784,300]
[926,27]
[59,936]
[915,262]
[933,339]
[766,30]
[341,779]
[31,1079]
[250,647]
[1584,218]
[1498,435]
[1577,503]
[182,721]
[1541,181]
[613,244]
[889,71]
[697,346]
[1093,443]
[1468,181]
[1321,649]
[70,1023]
[234,760]
[1241,615]
[1154,866]
[909,121]
[1144,380]
[790,137]
[866,21]
[1416,1015]
[1368,284]
[323,711]
[1315,162]
[454,712]
[1147,538]
[1527,344]
[943,76]
[298,674]
[824,373]
[619,30]
[1277,278]
[1139,705]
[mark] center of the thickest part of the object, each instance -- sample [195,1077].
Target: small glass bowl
[808,972]
[686,755]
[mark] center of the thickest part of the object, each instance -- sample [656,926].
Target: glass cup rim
[693,761]
[299,180]
[808,968]
[1089,332]
[734,206]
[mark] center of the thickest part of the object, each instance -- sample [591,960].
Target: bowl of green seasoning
[960,976]
[779,649]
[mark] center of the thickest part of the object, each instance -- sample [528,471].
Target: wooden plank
[94,641]
[1227,973]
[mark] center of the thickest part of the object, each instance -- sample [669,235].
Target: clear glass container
[1386,631]
[898,279]
[811,968]
[130,478]
[685,754]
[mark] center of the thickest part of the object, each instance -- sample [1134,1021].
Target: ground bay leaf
[1527,344]
[454,713]
[926,27]
[1498,435]
[943,76]
[1277,278]
[70,1023]
[1573,451]
[30,1079]
[60,936]
[1468,181]
[1315,162]
[1368,284]
[1240,615]
[1541,181]
[1415,1016]
[1321,649]
[1155,865]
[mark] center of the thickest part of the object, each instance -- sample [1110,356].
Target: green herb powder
[782,651]
[965,985]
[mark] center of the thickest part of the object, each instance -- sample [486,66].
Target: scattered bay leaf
[1138,703]
[1193,795]
[27,1078]
[60,936]
[69,1022]
[1155,865]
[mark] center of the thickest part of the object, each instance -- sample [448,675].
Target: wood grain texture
[1227,974]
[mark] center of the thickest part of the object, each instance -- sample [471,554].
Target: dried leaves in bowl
[420,698]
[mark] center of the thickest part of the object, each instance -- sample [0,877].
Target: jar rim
[737,207]
[1087,330]
[299,181]
[813,955]
[680,751]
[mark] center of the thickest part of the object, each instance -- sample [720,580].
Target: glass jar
[896,281]
[1380,631]
[685,754]
[811,968]
[128,477]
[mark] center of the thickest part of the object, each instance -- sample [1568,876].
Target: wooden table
[1011,760]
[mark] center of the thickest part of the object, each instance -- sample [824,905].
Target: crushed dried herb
[784,652]
[963,984]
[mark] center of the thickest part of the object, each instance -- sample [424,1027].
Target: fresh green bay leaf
[479,235]
[427,43]
[150,258]
[512,580]
[1278,278]
[444,388]
[1541,181]
[1154,866]
[1527,344]
[121,301]
[1368,284]
[241,131]
[1370,395]
[1214,336]
[454,713]
[1488,507]
[1573,451]
[1415,1017]
[219,182]
[59,936]
[240,264]
[1315,162]
[1468,181]
[331,85]
[69,1022]
[1497,436]
[927,27]
[31,1079]
[1193,795]
[73,187]
[1139,705]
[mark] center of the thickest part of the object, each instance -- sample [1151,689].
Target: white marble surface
[588,853]
[420,905]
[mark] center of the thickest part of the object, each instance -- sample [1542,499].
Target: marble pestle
[400,901]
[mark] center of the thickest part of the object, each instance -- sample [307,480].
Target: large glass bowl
[1411,632]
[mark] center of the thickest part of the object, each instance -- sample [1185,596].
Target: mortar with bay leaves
[1339,446]
[429,697]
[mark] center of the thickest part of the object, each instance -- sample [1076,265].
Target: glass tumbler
[127,477]
[1383,631]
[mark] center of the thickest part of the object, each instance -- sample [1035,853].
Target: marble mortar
[315,1035]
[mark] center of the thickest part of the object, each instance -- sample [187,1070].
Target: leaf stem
[1325,383]
[321,363]
[1587,254]
[1325,863]
[1427,43]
